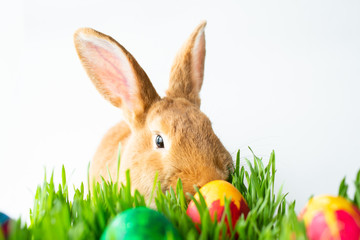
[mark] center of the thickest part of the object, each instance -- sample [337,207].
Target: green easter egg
[140,223]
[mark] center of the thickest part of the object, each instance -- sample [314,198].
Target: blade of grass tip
[51,184]
[82,190]
[94,192]
[240,228]
[251,150]
[242,173]
[108,172]
[357,189]
[255,184]
[358,177]
[63,176]
[264,204]
[52,178]
[237,165]
[201,197]
[128,186]
[256,165]
[247,177]
[103,181]
[280,196]
[252,170]
[172,193]
[140,199]
[198,205]
[159,199]
[118,162]
[261,167]
[273,170]
[343,188]
[357,198]
[255,157]
[153,188]
[180,194]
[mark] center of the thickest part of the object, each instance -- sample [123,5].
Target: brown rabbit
[167,135]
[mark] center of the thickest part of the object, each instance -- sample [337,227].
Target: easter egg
[329,217]
[4,223]
[140,223]
[214,194]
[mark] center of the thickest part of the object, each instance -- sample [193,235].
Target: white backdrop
[280,75]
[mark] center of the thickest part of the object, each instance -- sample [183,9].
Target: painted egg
[214,193]
[4,223]
[329,217]
[140,223]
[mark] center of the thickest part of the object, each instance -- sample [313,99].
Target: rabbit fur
[191,151]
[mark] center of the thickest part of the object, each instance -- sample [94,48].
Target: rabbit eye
[159,141]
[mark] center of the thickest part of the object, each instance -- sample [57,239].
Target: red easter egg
[214,193]
[329,217]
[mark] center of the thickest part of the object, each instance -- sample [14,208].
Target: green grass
[55,216]
[343,190]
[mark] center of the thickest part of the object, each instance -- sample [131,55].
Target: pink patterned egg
[331,218]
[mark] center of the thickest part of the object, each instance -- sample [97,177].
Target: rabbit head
[169,136]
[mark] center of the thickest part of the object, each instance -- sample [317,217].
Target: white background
[280,75]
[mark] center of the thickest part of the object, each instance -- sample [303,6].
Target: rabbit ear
[187,72]
[115,73]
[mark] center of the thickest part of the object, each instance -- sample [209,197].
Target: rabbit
[170,135]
